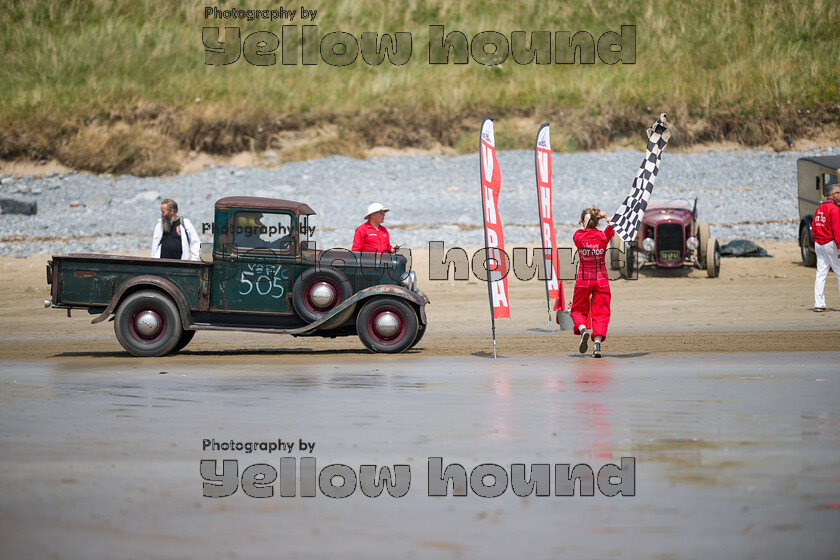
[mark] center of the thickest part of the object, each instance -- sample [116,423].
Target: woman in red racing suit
[592,281]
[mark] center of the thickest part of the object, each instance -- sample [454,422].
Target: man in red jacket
[826,232]
[371,236]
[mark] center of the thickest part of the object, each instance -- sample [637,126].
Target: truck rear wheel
[387,324]
[185,339]
[148,323]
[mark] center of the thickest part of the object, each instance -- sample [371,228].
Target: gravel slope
[742,194]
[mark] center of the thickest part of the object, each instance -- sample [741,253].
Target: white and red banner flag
[491,184]
[542,154]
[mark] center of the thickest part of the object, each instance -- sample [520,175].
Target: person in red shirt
[826,232]
[371,236]
[592,282]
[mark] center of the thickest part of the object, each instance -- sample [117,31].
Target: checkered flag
[629,215]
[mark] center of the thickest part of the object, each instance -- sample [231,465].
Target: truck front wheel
[148,323]
[703,237]
[809,257]
[387,324]
[419,336]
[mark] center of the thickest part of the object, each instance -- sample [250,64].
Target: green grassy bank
[122,86]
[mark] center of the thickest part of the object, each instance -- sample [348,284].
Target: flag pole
[486,242]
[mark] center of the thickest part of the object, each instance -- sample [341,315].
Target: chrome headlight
[692,243]
[409,280]
[648,244]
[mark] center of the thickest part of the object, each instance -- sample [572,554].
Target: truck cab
[257,254]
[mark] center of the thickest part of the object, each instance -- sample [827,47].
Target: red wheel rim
[401,327]
[140,337]
[307,295]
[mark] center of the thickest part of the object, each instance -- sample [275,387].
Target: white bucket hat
[373,208]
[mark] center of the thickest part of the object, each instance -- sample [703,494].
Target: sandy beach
[756,305]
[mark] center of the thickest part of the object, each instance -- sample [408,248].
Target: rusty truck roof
[261,203]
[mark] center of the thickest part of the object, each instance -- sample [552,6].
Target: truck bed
[90,280]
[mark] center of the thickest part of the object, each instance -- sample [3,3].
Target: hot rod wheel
[387,324]
[615,249]
[629,266]
[702,238]
[148,323]
[622,257]
[713,258]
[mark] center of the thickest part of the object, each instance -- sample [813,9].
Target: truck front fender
[155,283]
[417,298]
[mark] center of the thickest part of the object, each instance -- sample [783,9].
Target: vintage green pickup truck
[265,276]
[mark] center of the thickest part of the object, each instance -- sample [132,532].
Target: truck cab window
[827,180]
[263,230]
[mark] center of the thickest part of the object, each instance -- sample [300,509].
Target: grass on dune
[73,73]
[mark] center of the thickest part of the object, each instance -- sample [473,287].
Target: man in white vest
[174,237]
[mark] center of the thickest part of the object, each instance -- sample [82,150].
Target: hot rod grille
[669,237]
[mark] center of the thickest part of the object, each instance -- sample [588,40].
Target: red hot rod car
[669,237]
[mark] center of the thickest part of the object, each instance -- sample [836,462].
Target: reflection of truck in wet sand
[814,174]
[264,276]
